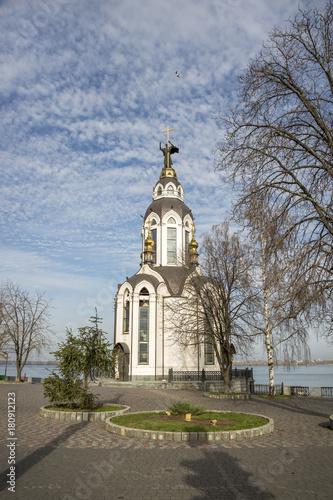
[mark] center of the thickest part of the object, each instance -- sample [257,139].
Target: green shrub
[69,392]
[182,407]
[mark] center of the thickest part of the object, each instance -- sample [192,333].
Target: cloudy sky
[86,90]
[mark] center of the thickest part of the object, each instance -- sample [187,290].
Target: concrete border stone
[331,421]
[226,396]
[80,416]
[190,436]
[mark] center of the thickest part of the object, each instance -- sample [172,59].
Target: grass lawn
[96,409]
[198,423]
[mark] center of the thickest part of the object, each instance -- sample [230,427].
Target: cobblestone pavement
[59,460]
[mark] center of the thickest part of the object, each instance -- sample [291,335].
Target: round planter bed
[157,435]
[226,396]
[80,416]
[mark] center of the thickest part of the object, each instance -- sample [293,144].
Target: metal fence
[296,390]
[36,380]
[299,391]
[195,375]
[327,392]
[263,389]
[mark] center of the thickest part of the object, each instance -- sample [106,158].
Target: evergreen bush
[80,358]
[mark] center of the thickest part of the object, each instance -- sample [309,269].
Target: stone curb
[331,421]
[226,396]
[80,416]
[190,436]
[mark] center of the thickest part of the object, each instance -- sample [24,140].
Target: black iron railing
[195,375]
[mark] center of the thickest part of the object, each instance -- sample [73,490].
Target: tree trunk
[227,378]
[268,334]
[18,371]
[270,363]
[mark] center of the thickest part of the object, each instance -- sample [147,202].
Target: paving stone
[56,458]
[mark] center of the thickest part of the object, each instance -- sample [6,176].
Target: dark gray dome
[137,278]
[164,205]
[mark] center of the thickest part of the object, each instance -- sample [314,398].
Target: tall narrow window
[143,354]
[126,313]
[209,352]
[154,237]
[187,240]
[171,245]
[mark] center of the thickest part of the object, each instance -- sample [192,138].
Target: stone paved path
[81,460]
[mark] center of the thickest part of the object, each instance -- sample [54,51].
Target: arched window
[187,240]
[171,242]
[186,224]
[159,192]
[143,349]
[170,190]
[126,314]
[179,191]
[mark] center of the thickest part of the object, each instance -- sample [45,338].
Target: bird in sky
[177,74]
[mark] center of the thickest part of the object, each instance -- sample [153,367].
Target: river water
[307,375]
[304,375]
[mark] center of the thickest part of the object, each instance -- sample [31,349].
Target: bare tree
[214,306]
[279,138]
[24,322]
[4,338]
[280,291]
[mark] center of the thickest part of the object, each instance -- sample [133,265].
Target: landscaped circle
[78,415]
[210,425]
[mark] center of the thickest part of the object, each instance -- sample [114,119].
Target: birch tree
[278,286]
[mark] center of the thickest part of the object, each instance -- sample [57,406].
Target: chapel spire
[169,149]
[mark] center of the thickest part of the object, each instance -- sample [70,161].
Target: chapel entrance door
[123,366]
[123,361]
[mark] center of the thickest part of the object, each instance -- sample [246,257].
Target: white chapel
[144,337]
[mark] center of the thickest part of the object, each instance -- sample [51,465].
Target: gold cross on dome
[167,130]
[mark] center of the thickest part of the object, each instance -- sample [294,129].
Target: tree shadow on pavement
[218,475]
[293,405]
[22,466]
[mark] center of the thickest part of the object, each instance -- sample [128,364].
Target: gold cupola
[168,173]
[148,254]
[193,245]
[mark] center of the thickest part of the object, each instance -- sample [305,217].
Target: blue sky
[86,89]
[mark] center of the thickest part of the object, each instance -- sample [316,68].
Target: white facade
[143,333]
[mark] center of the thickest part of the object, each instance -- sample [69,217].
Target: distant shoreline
[41,363]
[282,363]
[235,363]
